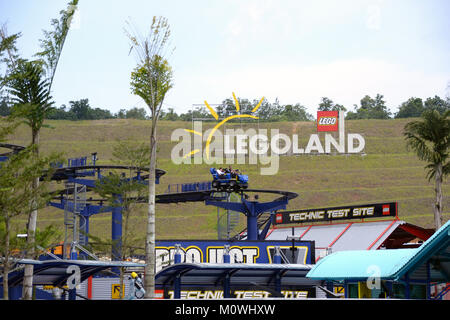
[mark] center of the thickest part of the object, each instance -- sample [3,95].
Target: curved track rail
[15,149]
[70,172]
[194,196]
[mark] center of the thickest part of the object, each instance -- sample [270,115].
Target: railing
[189,187]
[77,162]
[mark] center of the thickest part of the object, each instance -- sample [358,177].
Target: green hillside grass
[388,172]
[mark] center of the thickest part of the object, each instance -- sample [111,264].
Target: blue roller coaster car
[228,181]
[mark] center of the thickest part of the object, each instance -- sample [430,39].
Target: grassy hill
[388,172]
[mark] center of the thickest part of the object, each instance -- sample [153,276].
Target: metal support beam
[428,294]
[407,286]
[226,286]
[116,233]
[177,287]
[252,209]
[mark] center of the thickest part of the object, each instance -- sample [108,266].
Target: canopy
[239,274]
[431,262]
[54,272]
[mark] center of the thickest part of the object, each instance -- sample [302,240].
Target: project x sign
[212,251]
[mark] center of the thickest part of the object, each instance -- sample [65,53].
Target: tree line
[369,108]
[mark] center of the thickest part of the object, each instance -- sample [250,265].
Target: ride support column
[116,231]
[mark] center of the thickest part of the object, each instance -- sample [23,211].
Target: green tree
[151,80]
[370,109]
[61,114]
[8,54]
[53,42]
[31,102]
[430,139]
[19,196]
[170,115]
[411,108]
[266,110]
[119,189]
[30,87]
[136,113]
[122,114]
[436,103]
[196,113]
[228,107]
[81,109]
[98,114]
[291,112]
[4,108]
[328,105]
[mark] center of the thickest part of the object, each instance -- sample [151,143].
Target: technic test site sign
[377,210]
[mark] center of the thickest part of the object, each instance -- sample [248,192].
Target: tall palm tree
[430,139]
[30,87]
[31,99]
[30,95]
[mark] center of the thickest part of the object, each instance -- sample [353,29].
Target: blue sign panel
[212,251]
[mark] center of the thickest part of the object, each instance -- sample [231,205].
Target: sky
[294,51]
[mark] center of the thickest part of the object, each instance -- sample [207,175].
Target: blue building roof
[54,272]
[208,274]
[392,264]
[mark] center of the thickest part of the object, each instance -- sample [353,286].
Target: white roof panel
[365,236]
[341,236]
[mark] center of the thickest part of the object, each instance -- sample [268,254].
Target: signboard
[365,211]
[327,121]
[115,291]
[212,251]
[242,293]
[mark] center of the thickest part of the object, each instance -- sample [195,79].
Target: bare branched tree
[151,80]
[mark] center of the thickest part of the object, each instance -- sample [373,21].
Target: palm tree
[32,103]
[430,139]
[30,85]
[30,96]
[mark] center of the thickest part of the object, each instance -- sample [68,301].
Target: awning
[429,262]
[54,272]
[238,274]
[358,265]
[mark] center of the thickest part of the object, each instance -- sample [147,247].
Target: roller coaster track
[70,172]
[194,196]
[65,173]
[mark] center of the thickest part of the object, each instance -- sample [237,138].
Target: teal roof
[360,264]
[391,263]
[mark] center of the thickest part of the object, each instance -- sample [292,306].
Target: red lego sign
[327,121]
[279,218]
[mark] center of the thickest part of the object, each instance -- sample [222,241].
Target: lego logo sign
[327,120]
[279,218]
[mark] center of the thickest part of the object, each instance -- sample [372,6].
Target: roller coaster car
[229,182]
